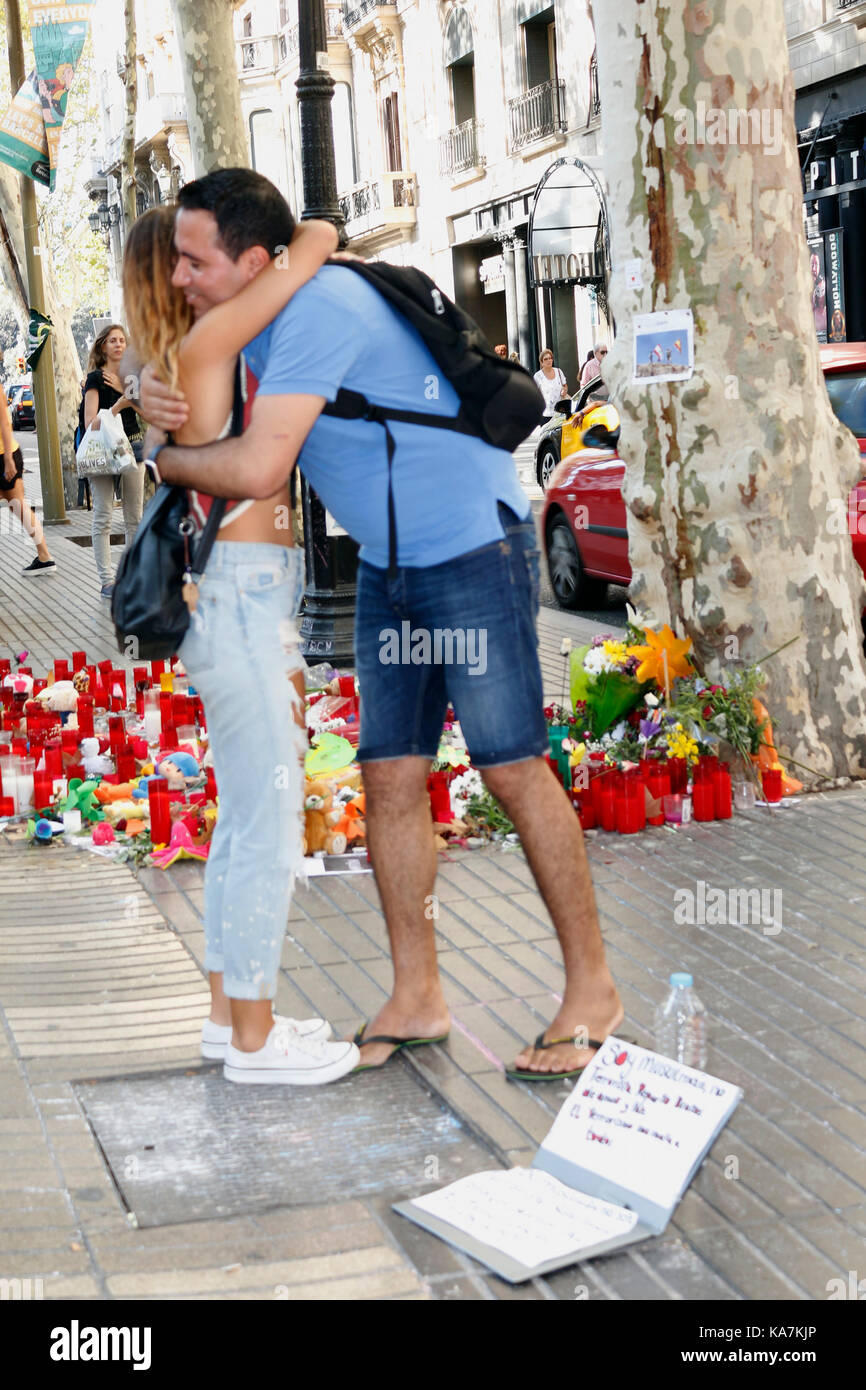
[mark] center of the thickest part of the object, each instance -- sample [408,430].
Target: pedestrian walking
[241,648]
[447,544]
[104,391]
[12,493]
[550,381]
[592,366]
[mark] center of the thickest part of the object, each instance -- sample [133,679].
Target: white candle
[152,725]
[24,792]
[71,821]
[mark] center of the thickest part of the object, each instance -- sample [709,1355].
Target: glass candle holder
[771,780]
[723,792]
[744,795]
[704,797]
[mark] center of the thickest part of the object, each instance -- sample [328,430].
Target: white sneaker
[287,1059]
[215,1037]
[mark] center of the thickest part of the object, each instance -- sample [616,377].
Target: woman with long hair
[241,649]
[104,393]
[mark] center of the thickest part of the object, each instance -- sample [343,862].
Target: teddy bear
[320,817]
[61,697]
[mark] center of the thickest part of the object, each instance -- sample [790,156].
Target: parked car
[584,518]
[21,407]
[567,429]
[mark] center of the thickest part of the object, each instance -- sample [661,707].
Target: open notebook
[621,1153]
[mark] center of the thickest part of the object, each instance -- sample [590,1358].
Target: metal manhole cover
[191,1147]
[116,538]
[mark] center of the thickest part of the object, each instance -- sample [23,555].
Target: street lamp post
[48,438]
[328,613]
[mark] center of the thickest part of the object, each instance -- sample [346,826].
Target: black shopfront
[831,135]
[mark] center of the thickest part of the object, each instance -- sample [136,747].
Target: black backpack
[499,401]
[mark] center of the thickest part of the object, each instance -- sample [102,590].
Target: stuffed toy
[126,810]
[19,682]
[96,764]
[179,769]
[81,796]
[110,791]
[61,697]
[320,820]
[352,823]
[81,681]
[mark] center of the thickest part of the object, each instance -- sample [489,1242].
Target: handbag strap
[195,569]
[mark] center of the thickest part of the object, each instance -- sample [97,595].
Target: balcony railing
[378,203]
[258,55]
[459,149]
[594,94]
[289,38]
[537,113]
[353,14]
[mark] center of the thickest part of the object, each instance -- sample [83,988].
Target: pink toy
[103,834]
[180,846]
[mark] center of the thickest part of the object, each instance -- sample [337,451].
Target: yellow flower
[615,650]
[652,656]
[578,753]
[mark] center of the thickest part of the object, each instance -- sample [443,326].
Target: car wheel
[546,464]
[572,586]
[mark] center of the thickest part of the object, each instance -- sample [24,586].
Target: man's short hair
[248,209]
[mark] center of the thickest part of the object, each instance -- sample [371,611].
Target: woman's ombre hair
[158,315]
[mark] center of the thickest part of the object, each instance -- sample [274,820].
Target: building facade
[827,46]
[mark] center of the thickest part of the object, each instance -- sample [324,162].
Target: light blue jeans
[240,650]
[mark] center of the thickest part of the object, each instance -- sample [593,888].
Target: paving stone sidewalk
[100,975]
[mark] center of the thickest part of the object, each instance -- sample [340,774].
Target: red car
[584,517]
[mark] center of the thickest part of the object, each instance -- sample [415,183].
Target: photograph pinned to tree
[664,345]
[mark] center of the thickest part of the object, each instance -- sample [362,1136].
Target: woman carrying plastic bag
[103,396]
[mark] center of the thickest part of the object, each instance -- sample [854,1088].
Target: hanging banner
[30,129]
[38,329]
[819,287]
[836,329]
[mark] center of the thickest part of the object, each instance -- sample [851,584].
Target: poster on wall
[836,329]
[819,287]
[664,346]
[31,127]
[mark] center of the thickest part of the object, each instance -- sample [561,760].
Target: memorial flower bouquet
[605,684]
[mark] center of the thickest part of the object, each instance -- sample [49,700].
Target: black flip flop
[512,1073]
[397,1043]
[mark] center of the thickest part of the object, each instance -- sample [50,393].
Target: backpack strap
[353,405]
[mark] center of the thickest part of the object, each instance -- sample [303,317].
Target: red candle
[5,666]
[609,792]
[125,764]
[771,779]
[69,739]
[104,667]
[679,772]
[156,669]
[61,670]
[42,790]
[79,661]
[160,816]
[440,798]
[584,808]
[85,716]
[19,745]
[722,792]
[347,686]
[630,803]
[703,799]
[39,684]
[53,761]
[210,784]
[169,737]
[116,732]
[75,770]
[7,806]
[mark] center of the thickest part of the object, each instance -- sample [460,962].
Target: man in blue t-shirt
[456,623]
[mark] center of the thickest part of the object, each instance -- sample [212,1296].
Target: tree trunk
[206,42]
[130,83]
[67,367]
[736,479]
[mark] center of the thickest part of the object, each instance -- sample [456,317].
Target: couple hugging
[203,283]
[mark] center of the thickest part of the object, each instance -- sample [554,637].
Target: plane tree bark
[737,479]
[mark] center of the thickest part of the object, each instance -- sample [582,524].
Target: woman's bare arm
[225,329]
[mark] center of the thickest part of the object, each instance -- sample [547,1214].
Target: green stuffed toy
[80,797]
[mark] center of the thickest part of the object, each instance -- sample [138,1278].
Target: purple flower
[648,727]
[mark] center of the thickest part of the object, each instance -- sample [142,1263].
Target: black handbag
[148,607]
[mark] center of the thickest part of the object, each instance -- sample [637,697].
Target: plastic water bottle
[681,1024]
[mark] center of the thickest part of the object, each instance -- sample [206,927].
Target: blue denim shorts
[465,632]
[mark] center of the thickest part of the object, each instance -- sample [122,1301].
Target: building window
[460,62]
[284,13]
[391,126]
[151,86]
[248,26]
[344,136]
[539,38]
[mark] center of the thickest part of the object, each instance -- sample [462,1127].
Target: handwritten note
[640,1120]
[527,1214]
